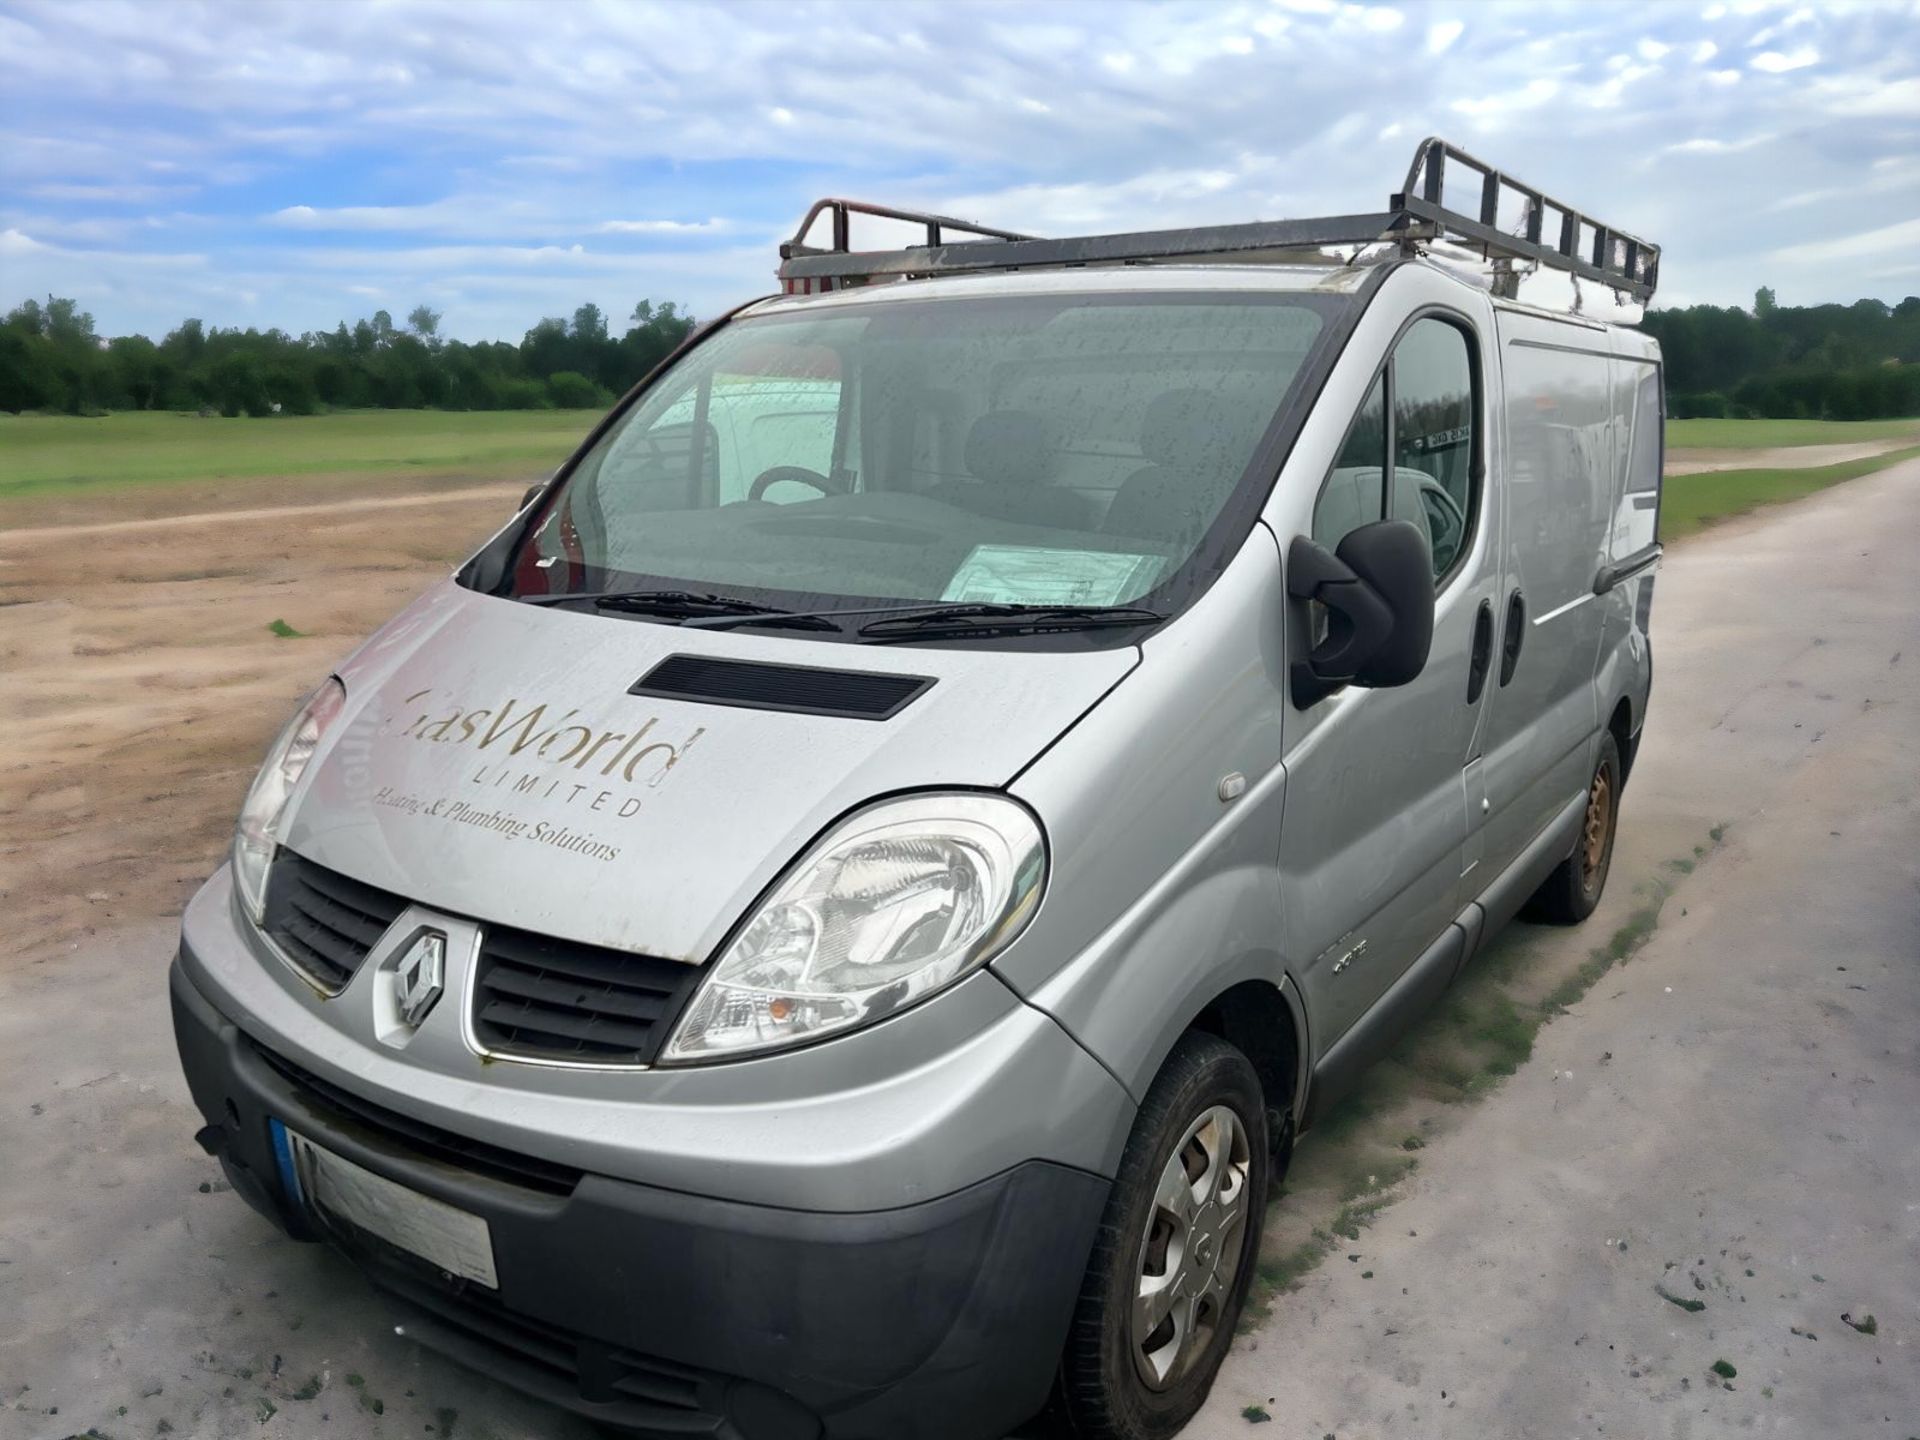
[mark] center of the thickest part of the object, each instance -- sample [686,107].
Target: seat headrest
[1178,426]
[1009,447]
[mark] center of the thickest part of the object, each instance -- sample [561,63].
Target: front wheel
[1175,1252]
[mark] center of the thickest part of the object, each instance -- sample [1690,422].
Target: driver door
[1376,833]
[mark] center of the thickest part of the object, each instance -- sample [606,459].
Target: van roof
[1101,279]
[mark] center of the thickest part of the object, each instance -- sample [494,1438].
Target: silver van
[830,924]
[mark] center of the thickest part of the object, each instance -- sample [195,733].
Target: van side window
[1428,424]
[1433,436]
[1350,497]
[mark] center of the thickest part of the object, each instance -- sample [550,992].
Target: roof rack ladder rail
[1418,215]
[1618,259]
[842,212]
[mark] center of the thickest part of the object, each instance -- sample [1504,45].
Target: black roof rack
[1417,216]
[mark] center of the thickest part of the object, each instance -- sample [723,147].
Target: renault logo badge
[420,976]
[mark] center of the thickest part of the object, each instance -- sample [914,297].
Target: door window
[1421,411]
[1350,497]
[1433,436]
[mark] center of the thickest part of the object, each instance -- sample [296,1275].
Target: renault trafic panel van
[830,923]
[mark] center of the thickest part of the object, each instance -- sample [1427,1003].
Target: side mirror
[532,490]
[1378,591]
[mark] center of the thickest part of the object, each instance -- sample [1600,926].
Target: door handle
[1513,636]
[1482,651]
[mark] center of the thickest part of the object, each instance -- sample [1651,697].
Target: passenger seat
[1174,499]
[1008,454]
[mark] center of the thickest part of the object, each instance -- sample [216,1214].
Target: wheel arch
[1263,1021]
[1625,736]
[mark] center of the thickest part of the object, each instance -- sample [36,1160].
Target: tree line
[51,358]
[1839,362]
[1791,362]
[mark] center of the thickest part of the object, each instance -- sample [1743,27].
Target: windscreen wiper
[959,621]
[685,605]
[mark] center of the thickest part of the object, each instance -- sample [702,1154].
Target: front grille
[324,922]
[403,1132]
[542,998]
[534,997]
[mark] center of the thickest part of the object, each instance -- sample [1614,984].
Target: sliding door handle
[1513,635]
[1482,659]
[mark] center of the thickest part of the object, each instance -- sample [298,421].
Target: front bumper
[676,1314]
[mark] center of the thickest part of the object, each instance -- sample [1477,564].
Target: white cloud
[1376,17]
[1904,236]
[1706,146]
[519,158]
[18,242]
[660,227]
[1892,100]
[1531,96]
[1775,62]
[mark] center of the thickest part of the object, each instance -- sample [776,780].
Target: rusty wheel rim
[1593,856]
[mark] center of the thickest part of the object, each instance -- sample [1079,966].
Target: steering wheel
[797,473]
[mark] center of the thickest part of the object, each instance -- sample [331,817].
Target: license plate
[441,1234]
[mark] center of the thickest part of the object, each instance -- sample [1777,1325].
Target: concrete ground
[1742,1096]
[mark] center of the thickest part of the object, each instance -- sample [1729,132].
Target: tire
[1570,893]
[1205,1103]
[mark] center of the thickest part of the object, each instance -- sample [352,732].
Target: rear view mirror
[1378,592]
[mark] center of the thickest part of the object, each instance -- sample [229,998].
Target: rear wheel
[1572,891]
[1175,1251]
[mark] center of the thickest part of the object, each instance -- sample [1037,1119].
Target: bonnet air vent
[805,689]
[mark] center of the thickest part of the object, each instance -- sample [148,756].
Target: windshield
[1034,450]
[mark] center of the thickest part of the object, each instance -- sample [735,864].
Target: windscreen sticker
[1040,575]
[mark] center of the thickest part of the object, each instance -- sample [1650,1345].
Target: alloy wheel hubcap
[1599,816]
[1190,1254]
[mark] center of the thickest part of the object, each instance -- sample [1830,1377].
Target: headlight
[258,831]
[894,903]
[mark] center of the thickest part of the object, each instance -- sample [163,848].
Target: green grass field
[44,455]
[1690,503]
[1763,434]
[53,455]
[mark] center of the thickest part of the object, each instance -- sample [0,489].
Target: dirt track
[1701,460]
[143,681]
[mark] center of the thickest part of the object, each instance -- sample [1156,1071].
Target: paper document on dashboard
[1042,575]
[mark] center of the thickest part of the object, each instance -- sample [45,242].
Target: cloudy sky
[295,164]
